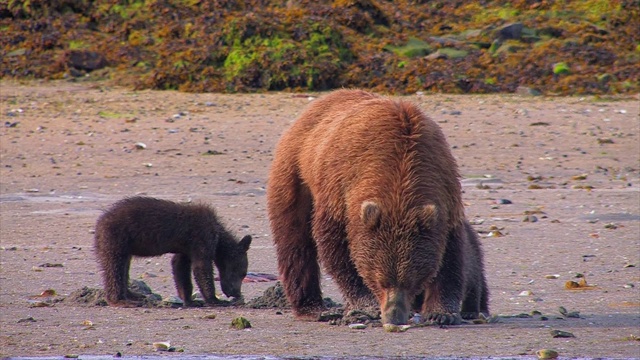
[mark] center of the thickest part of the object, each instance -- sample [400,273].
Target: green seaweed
[262,45]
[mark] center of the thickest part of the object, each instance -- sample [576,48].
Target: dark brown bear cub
[143,226]
[368,187]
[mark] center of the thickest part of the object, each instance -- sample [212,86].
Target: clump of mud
[337,316]
[274,297]
[87,296]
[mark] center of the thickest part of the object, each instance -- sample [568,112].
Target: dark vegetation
[557,47]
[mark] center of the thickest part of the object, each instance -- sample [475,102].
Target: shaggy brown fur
[142,226]
[369,187]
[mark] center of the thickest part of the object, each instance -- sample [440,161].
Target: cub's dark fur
[144,226]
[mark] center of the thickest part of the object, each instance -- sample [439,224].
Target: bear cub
[144,226]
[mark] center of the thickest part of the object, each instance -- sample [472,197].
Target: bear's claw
[443,319]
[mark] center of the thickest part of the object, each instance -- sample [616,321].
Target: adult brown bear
[369,187]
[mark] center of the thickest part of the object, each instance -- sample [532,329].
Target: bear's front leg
[333,248]
[203,273]
[444,295]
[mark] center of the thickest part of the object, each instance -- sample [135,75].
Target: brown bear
[144,226]
[368,186]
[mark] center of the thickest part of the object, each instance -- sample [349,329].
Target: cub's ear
[429,214]
[245,243]
[370,214]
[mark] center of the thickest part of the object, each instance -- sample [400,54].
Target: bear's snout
[395,306]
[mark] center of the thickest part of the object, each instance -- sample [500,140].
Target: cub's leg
[203,273]
[444,295]
[181,265]
[116,279]
[476,296]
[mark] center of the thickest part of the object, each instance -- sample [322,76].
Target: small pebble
[530,218]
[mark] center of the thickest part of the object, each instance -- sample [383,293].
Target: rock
[510,31]
[240,323]
[527,91]
[435,56]
[85,60]
[561,334]
[453,53]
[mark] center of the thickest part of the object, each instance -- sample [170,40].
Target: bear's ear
[429,214]
[370,214]
[245,243]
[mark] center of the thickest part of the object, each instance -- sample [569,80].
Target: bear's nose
[395,307]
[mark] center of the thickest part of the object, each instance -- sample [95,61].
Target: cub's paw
[135,296]
[443,319]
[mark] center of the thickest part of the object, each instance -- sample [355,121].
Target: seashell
[140,145]
[395,328]
[162,346]
[562,310]
[547,354]
[554,276]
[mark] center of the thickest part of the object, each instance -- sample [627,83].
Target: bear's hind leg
[290,208]
[116,279]
[181,265]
